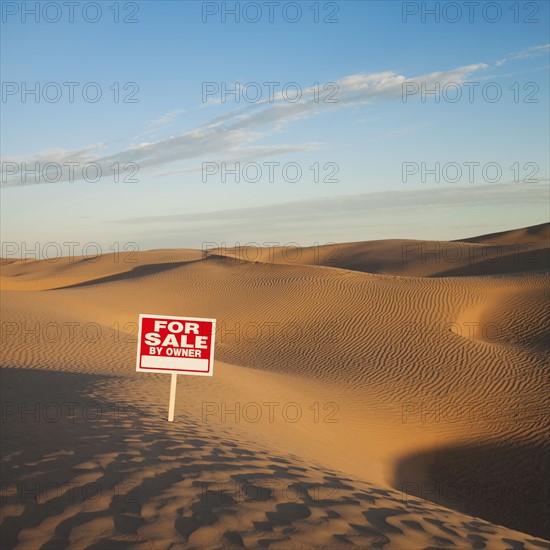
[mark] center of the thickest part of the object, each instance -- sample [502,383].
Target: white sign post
[172,405]
[176,345]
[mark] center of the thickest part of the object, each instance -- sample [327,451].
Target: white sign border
[176,318]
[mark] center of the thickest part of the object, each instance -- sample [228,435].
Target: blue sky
[367,134]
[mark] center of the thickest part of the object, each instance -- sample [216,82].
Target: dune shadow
[75,462]
[504,262]
[507,485]
[71,459]
[136,272]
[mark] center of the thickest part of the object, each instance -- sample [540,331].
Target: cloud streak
[165,119]
[234,135]
[534,51]
[466,196]
[343,218]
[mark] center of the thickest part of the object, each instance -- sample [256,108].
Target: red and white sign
[178,345]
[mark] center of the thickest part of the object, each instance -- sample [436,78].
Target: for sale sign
[177,345]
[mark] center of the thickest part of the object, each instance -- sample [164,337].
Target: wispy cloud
[250,154]
[467,196]
[165,119]
[353,90]
[534,51]
[235,134]
[344,218]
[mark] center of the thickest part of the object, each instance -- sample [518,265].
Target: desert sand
[384,394]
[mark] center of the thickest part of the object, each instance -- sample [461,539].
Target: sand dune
[534,234]
[514,251]
[30,274]
[359,400]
